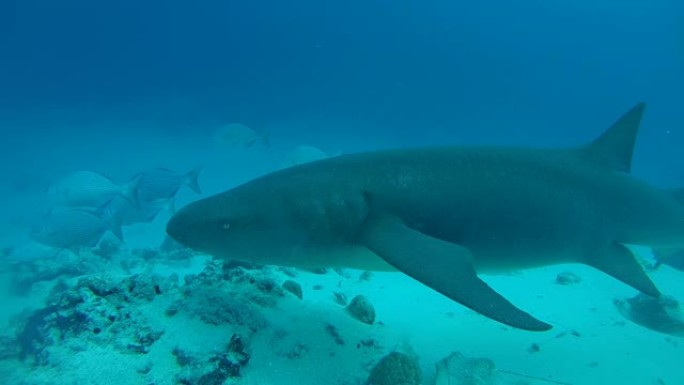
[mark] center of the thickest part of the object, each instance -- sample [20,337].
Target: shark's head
[226,225]
[265,225]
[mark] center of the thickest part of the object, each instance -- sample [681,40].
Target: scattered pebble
[294,288]
[299,350]
[366,276]
[368,343]
[568,278]
[183,357]
[396,369]
[361,309]
[340,298]
[334,333]
[145,369]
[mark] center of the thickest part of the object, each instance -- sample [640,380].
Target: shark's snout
[173,228]
[180,228]
[201,225]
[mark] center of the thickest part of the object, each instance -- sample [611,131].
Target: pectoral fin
[618,261]
[443,266]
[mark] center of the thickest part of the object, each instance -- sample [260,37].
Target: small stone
[334,333]
[568,278]
[361,309]
[299,350]
[396,369]
[365,276]
[183,357]
[173,309]
[145,369]
[340,298]
[237,350]
[294,288]
[369,343]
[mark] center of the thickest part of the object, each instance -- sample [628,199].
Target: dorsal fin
[615,146]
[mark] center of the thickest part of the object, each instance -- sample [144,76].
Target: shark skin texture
[443,215]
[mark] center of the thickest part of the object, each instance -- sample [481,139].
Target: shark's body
[441,215]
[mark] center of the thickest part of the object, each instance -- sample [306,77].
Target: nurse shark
[443,215]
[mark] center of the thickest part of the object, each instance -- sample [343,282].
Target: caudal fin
[191,179]
[112,217]
[266,139]
[115,228]
[130,192]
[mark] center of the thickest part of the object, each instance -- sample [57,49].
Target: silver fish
[161,184]
[304,154]
[90,189]
[240,135]
[71,228]
[125,213]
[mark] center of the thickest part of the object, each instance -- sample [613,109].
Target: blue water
[120,86]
